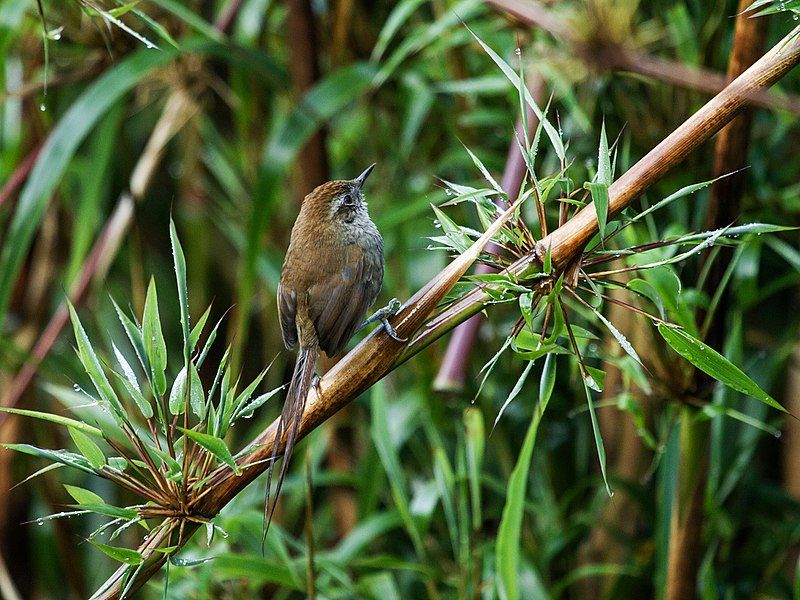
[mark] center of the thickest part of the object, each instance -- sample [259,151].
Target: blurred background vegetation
[224,114]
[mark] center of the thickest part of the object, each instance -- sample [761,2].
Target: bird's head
[339,200]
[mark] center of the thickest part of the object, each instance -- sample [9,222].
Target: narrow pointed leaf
[88,448]
[66,421]
[83,496]
[93,367]
[123,555]
[179,263]
[714,364]
[153,337]
[215,446]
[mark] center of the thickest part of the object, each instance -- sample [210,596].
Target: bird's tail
[289,421]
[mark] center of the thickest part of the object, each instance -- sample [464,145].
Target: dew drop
[39,522]
[42,107]
[517,51]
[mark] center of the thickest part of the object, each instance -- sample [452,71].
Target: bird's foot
[315,383]
[383,314]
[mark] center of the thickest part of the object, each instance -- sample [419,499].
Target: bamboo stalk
[378,354]
[730,156]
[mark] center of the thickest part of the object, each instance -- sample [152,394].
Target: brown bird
[332,274]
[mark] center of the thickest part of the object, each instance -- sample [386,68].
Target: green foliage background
[404,86]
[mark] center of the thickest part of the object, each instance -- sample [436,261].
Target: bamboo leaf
[507,548]
[134,336]
[552,134]
[600,198]
[93,367]
[88,448]
[215,446]
[83,496]
[179,263]
[197,330]
[63,457]
[123,555]
[714,364]
[153,337]
[598,438]
[514,392]
[66,421]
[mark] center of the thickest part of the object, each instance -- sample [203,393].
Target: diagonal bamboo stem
[374,357]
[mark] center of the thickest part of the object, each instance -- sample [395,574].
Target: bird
[332,274]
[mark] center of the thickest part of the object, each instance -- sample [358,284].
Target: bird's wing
[287,311]
[338,302]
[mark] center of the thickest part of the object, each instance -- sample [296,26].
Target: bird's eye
[349,200]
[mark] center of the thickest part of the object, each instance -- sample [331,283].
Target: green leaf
[57,153]
[109,510]
[41,471]
[133,392]
[154,344]
[604,174]
[194,336]
[389,456]
[66,421]
[88,448]
[256,403]
[134,335]
[547,381]
[595,378]
[552,133]
[179,263]
[618,335]
[177,396]
[123,555]
[714,364]
[215,446]
[598,438]
[600,198]
[63,457]
[83,496]
[93,367]
[507,549]
[475,444]
[514,392]
[599,188]
[646,289]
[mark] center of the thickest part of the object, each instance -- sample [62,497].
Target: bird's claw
[383,314]
[392,333]
[315,383]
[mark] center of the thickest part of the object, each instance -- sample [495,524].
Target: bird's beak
[359,181]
